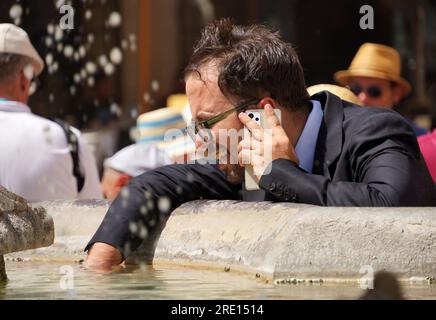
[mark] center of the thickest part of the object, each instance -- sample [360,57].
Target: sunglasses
[374,92]
[202,129]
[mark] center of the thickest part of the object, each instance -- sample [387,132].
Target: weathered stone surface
[22,227]
[275,240]
[10,202]
[75,222]
[2,269]
[286,240]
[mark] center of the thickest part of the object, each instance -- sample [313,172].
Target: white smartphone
[257,115]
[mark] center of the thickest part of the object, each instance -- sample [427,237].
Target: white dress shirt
[35,159]
[138,158]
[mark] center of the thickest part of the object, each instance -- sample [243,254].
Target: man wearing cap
[375,78]
[37,161]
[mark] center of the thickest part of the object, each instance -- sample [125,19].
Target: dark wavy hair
[253,61]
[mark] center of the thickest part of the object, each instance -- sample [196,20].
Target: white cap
[16,41]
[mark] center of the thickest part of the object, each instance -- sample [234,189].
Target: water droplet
[77,78]
[29,72]
[133,227]
[114,20]
[33,88]
[109,69]
[102,60]
[143,210]
[164,204]
[190,177]
[179,190]
[59,33]
[82,51]
[116,55]
[134,113]
[76,56]
[91,82]
[49,59]
[88,14]
[68,51]
[91,38]
[55,67]
[116,110]
[147,97]
[50,29]
[91,67]
[83,74]
[16,11]
[150,205]
[48,42]
[143,232]
[125,193]
[155,85]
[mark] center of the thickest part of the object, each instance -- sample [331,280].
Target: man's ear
[268,100]
[24,82]
[397,94]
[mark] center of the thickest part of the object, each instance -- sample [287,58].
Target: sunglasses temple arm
[224,115]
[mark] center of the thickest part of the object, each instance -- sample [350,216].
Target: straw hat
[15,40]
[167,123]
[153,126]
[375,61]
[341,92]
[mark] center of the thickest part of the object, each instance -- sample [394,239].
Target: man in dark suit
[325,152]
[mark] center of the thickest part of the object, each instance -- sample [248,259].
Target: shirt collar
[306,145]
[13,106]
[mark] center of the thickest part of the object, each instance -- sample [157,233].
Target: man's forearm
[146,202]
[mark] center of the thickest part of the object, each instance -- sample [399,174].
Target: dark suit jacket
[364,157]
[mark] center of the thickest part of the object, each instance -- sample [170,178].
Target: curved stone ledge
[298,241]
[273,240]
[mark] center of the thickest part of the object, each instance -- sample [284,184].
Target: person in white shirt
[37,161]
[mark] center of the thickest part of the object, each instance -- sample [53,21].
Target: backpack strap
[73,144]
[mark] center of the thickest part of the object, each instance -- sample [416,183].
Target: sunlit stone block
[21,226]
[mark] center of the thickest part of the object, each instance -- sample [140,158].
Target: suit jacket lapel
[330,139]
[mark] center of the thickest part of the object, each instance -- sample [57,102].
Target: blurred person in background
[374,76]
[343,93]
[40,160]
[427,144]
[151,151]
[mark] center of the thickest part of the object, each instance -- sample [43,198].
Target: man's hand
[264,146]
[103,258]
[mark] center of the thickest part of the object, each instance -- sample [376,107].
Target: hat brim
[343,77]
[37,62]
